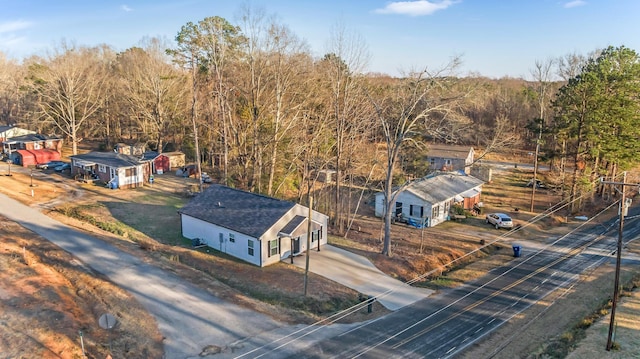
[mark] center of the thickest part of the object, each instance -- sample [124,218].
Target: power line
[346,312]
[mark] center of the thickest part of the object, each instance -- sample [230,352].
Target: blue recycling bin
[516,250]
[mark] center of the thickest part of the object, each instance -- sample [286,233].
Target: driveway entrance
[358,273]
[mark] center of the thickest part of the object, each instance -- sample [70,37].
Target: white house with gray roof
[117,169]
[429,199]
[258,229]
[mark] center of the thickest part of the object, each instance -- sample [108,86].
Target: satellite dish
[107,321]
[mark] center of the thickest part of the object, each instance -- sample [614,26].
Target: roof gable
[244,212]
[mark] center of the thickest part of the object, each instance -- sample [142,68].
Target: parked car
[499,220]
[539,184]
[63,167]
[50,164]
[206,178]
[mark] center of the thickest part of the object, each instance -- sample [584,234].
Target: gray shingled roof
[111,159]
[294,223]
[244,212]
[442,186]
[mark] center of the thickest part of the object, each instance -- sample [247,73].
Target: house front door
[398,208]
[296,245]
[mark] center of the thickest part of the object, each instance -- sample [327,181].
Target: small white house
[7,132]
[429,200]
[450,158]
[116,169]
[258,229]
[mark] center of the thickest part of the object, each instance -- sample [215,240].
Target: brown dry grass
[48,297]
[235,281]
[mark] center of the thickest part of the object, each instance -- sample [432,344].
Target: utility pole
[306,266]
[535,168]
[616,286]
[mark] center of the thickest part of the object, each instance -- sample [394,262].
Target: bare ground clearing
[48,298]
[127,213]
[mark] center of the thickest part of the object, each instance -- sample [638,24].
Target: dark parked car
[539,184]
[50,164]
[63,167]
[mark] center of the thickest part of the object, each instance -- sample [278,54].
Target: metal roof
[442,186]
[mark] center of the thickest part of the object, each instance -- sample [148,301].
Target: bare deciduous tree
[401,109]
[345,62]
[71,87]
[155,90]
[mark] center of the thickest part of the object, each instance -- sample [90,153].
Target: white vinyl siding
[211,234]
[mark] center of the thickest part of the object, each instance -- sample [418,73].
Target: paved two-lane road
[443,326]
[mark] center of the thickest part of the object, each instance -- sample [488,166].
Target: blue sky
[495,38]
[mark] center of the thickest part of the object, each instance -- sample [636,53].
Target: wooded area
[258,111]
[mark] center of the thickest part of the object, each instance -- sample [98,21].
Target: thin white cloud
[574,3]
[126,8]
[415,8]
[11,40]
[11,26]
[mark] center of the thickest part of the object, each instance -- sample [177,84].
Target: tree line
[251,104]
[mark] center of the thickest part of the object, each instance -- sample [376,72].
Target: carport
[33,157]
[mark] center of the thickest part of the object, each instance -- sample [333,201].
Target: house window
[435,212]
[273,248]
[129,172]
[250,247]
[232,238]
[411,210]
[421,211]
[102,168]
[448,162]
[433,162]
[313,238]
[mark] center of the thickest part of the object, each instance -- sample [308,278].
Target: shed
[171,161]
[165,162]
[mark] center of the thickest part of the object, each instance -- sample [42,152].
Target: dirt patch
[48,298]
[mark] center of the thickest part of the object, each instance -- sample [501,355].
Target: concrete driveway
[358,273]
[188,317]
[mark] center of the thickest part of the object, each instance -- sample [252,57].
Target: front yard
[144,221]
